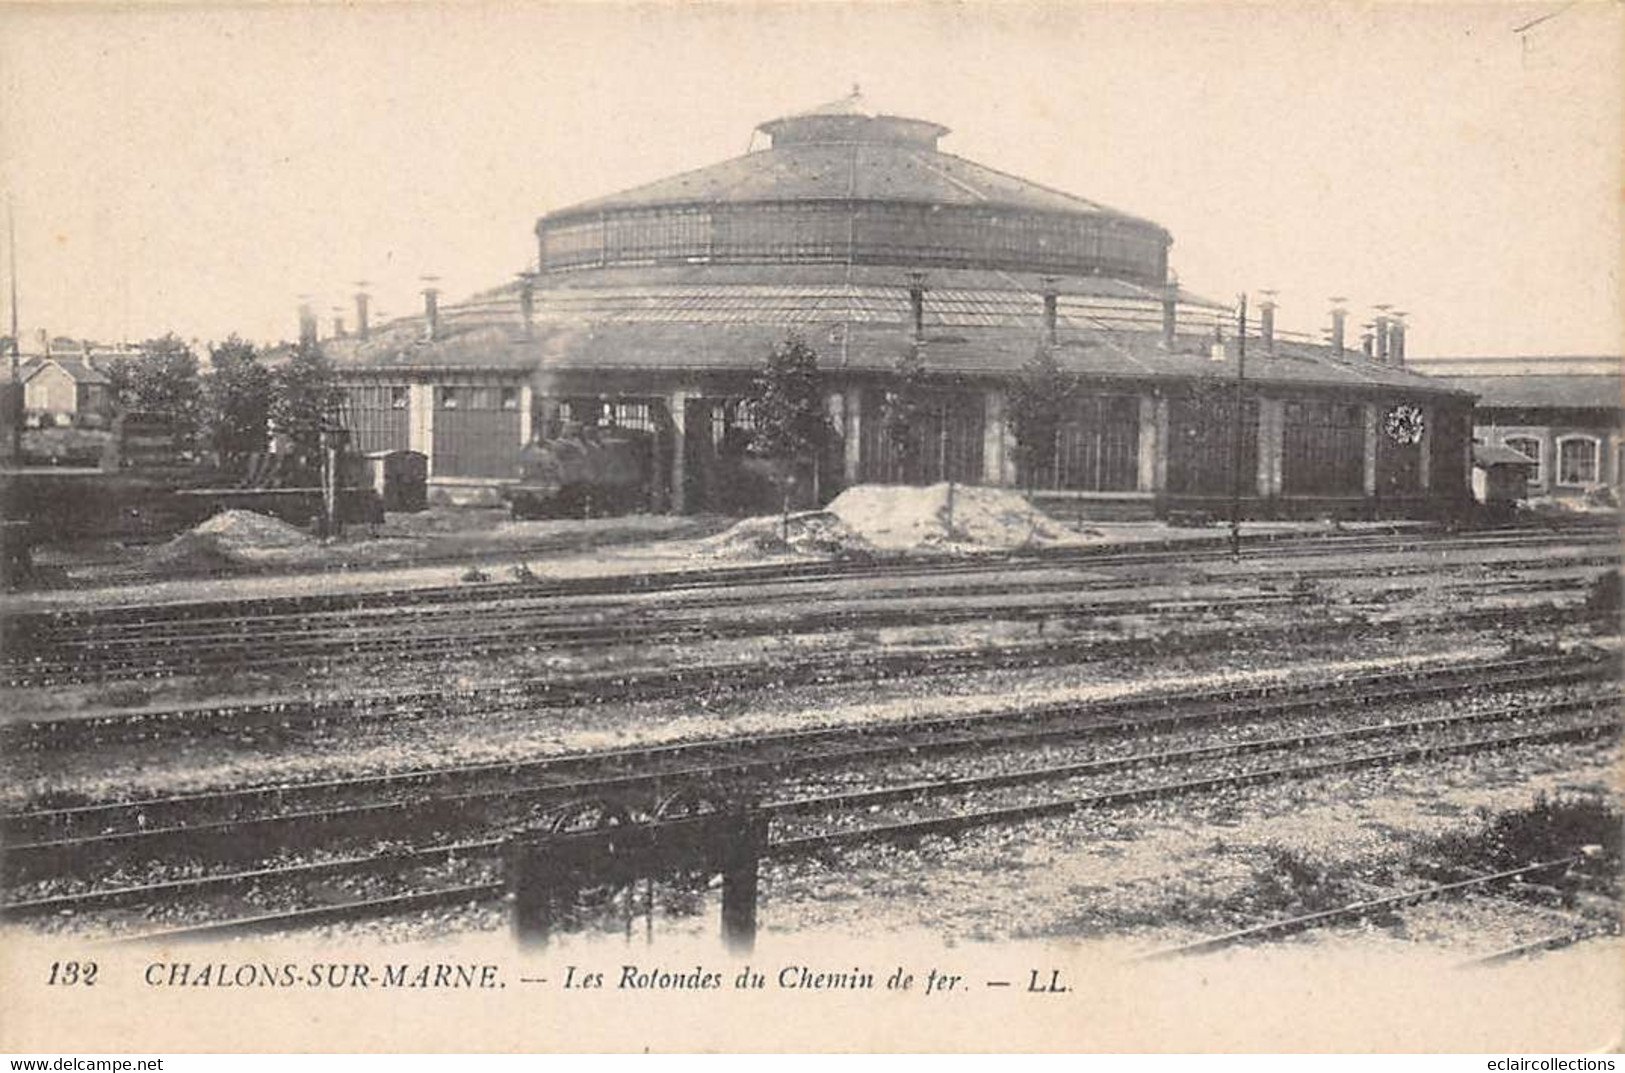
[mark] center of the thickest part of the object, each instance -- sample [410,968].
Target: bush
[1548,829]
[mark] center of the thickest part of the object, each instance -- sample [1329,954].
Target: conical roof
[841,151]
[842,184]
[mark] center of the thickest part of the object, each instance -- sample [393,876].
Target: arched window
[1529,447]
[1577,460]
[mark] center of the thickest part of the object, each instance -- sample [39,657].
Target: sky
[198,168]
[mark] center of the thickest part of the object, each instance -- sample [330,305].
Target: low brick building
[1561,412]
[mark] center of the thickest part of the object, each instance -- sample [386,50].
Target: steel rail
[291,714]
[1536,946]
[531,600]
[371,908]
[291,640]
[640,765]
[951,824]
[795,573]
[1264,541]
[847,800]
[511,642]
[1354,910]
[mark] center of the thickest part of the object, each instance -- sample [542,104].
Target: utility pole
[16,415]
[1236,434]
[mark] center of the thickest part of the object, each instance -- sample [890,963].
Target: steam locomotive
[584,472]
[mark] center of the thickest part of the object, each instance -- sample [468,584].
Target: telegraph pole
[16,344]
[1236,433]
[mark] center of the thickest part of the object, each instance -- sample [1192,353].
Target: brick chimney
[1216,349]
[431,311]
[916,303]
[1340,317]
[527,301]
[1170,307]
[1051,311]
[1396,339]
[1367,341]
[307,324]
[1266,321]
[362,326]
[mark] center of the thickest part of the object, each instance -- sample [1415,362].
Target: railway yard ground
[1399,739]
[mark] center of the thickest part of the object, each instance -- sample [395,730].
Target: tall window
[1323,448]
[1529,447]
[1577,460]
[1098,448]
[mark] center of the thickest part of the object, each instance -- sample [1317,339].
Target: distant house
[60,388]
[1563,413]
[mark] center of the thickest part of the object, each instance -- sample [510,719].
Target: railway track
[531,628]
[1365,908]
[457,805]
[287,718]
[486,850]
[1272,549]
[550,615]
[533,600]
[765,751]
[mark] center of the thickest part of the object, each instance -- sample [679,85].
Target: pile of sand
[230,538]
[897,518]
[812,532]
[901,518]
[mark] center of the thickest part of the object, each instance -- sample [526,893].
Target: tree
[791,426]
[237,396]
[162,379]
[903,410]
[305,400]
[1040,399]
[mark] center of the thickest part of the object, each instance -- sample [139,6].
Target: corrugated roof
[969,331]
[1576,392]
[847,171]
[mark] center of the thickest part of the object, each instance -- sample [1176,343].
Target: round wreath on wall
[1404,425]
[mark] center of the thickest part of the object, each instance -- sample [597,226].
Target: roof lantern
[849,120]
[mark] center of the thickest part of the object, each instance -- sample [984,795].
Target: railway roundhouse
[653,309]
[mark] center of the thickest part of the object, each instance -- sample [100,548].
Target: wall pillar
[1145,458]
[1160,467]
[997,464]
[420,422]
[1371,448]
[677,407]
[1424,474]
[852,435]
[1271,446]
